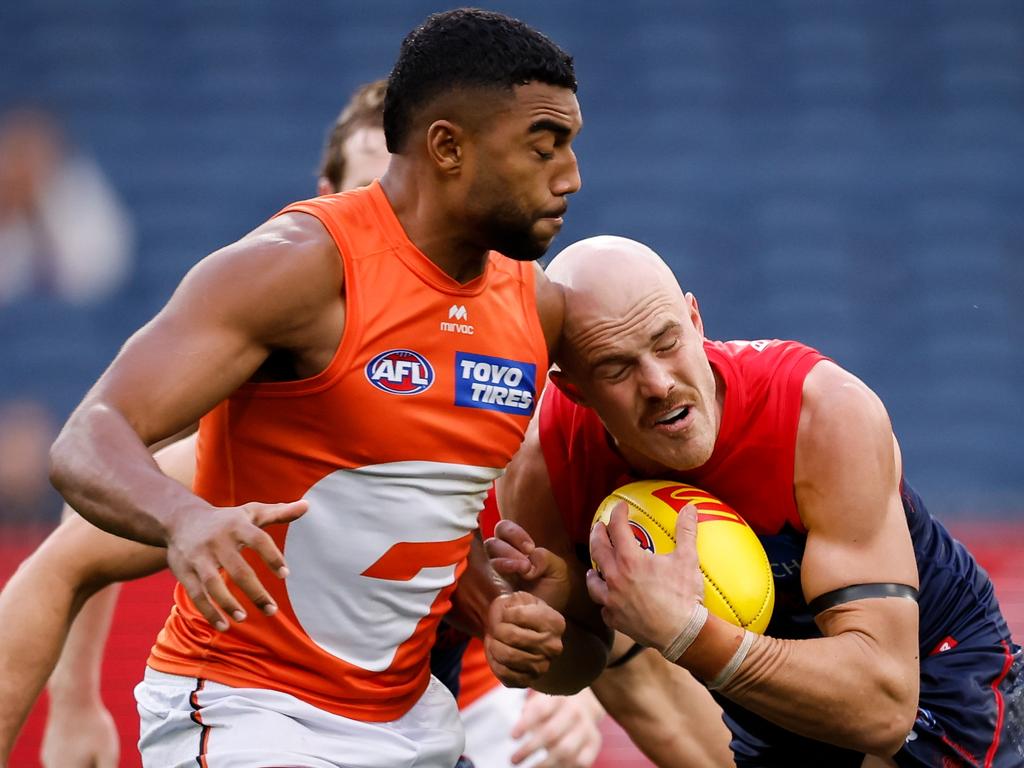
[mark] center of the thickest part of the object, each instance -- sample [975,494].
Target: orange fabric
[395,444]
[476,677]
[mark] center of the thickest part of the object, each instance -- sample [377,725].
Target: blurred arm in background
[38,605]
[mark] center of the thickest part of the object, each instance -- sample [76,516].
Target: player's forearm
[666,712]
[77,674]
[36,608]
[846,690]
[583,658]
[478,586]
[104,470]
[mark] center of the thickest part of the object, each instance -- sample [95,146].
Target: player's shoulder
[288,266]
[289,243]
[838,408]
[567,428]
[763,366]
[757,353]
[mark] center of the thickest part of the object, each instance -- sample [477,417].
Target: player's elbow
[67,455]
[61,463]
[888,716]
[894,736]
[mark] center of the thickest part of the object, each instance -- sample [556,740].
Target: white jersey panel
[356,518]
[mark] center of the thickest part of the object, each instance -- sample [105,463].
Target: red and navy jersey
[752,469]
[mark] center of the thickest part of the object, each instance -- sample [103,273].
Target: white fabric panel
[355,517]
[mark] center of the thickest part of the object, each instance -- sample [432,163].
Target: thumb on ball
[686,527]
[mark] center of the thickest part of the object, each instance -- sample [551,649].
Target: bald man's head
[633,350]
[606,275]
[605,278]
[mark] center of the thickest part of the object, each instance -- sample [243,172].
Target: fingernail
[269,609]
[221,626]
[283,572]
[239,615]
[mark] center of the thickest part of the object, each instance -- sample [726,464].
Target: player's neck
[421,210]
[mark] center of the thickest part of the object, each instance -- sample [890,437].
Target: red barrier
[144,605]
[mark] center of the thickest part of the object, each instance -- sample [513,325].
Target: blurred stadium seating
[845,173]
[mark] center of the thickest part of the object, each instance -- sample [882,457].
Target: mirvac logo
[458,320]
[495,384]
[400,372]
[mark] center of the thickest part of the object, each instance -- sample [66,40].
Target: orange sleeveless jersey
[394,445]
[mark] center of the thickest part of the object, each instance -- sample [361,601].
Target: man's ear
[324,186]
[444,145]
[695,317]
[570,390]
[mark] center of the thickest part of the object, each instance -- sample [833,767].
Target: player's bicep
[196,350]
[525,496]
[847,487]
[217,328]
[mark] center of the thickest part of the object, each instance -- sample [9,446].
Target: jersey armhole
[794,393]
[317,209]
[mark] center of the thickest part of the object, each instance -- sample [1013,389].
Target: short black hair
[467,47]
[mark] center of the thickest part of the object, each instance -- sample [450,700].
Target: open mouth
[674,416]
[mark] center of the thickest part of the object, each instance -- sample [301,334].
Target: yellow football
[738,583]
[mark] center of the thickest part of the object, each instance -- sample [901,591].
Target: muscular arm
[857,686]
[39,602]
[666,712]
[78,727]
[525,497]
[42,599]
[276,290]
[270,290]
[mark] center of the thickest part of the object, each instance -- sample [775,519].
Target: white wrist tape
[723,677]
[685,638]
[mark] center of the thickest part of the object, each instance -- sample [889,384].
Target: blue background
[847,173]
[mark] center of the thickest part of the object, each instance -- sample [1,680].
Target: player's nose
[567,181]
[656,381]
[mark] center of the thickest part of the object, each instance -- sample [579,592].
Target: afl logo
[400,372]
[643,538]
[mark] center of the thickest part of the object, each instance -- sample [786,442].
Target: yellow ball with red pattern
[738,583]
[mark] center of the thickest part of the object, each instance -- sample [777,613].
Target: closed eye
[613,373]
[668,345]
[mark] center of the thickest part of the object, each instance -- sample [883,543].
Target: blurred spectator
[26,431]
[63,233]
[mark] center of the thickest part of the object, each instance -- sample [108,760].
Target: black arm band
[634,649]
[860,592]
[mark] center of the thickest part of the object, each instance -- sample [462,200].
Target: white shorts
[488,721]
[185,722]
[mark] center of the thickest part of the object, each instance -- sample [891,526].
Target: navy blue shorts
[971,713]
[971,710]
[446,656]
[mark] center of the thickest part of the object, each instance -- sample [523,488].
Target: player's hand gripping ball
[738,583]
